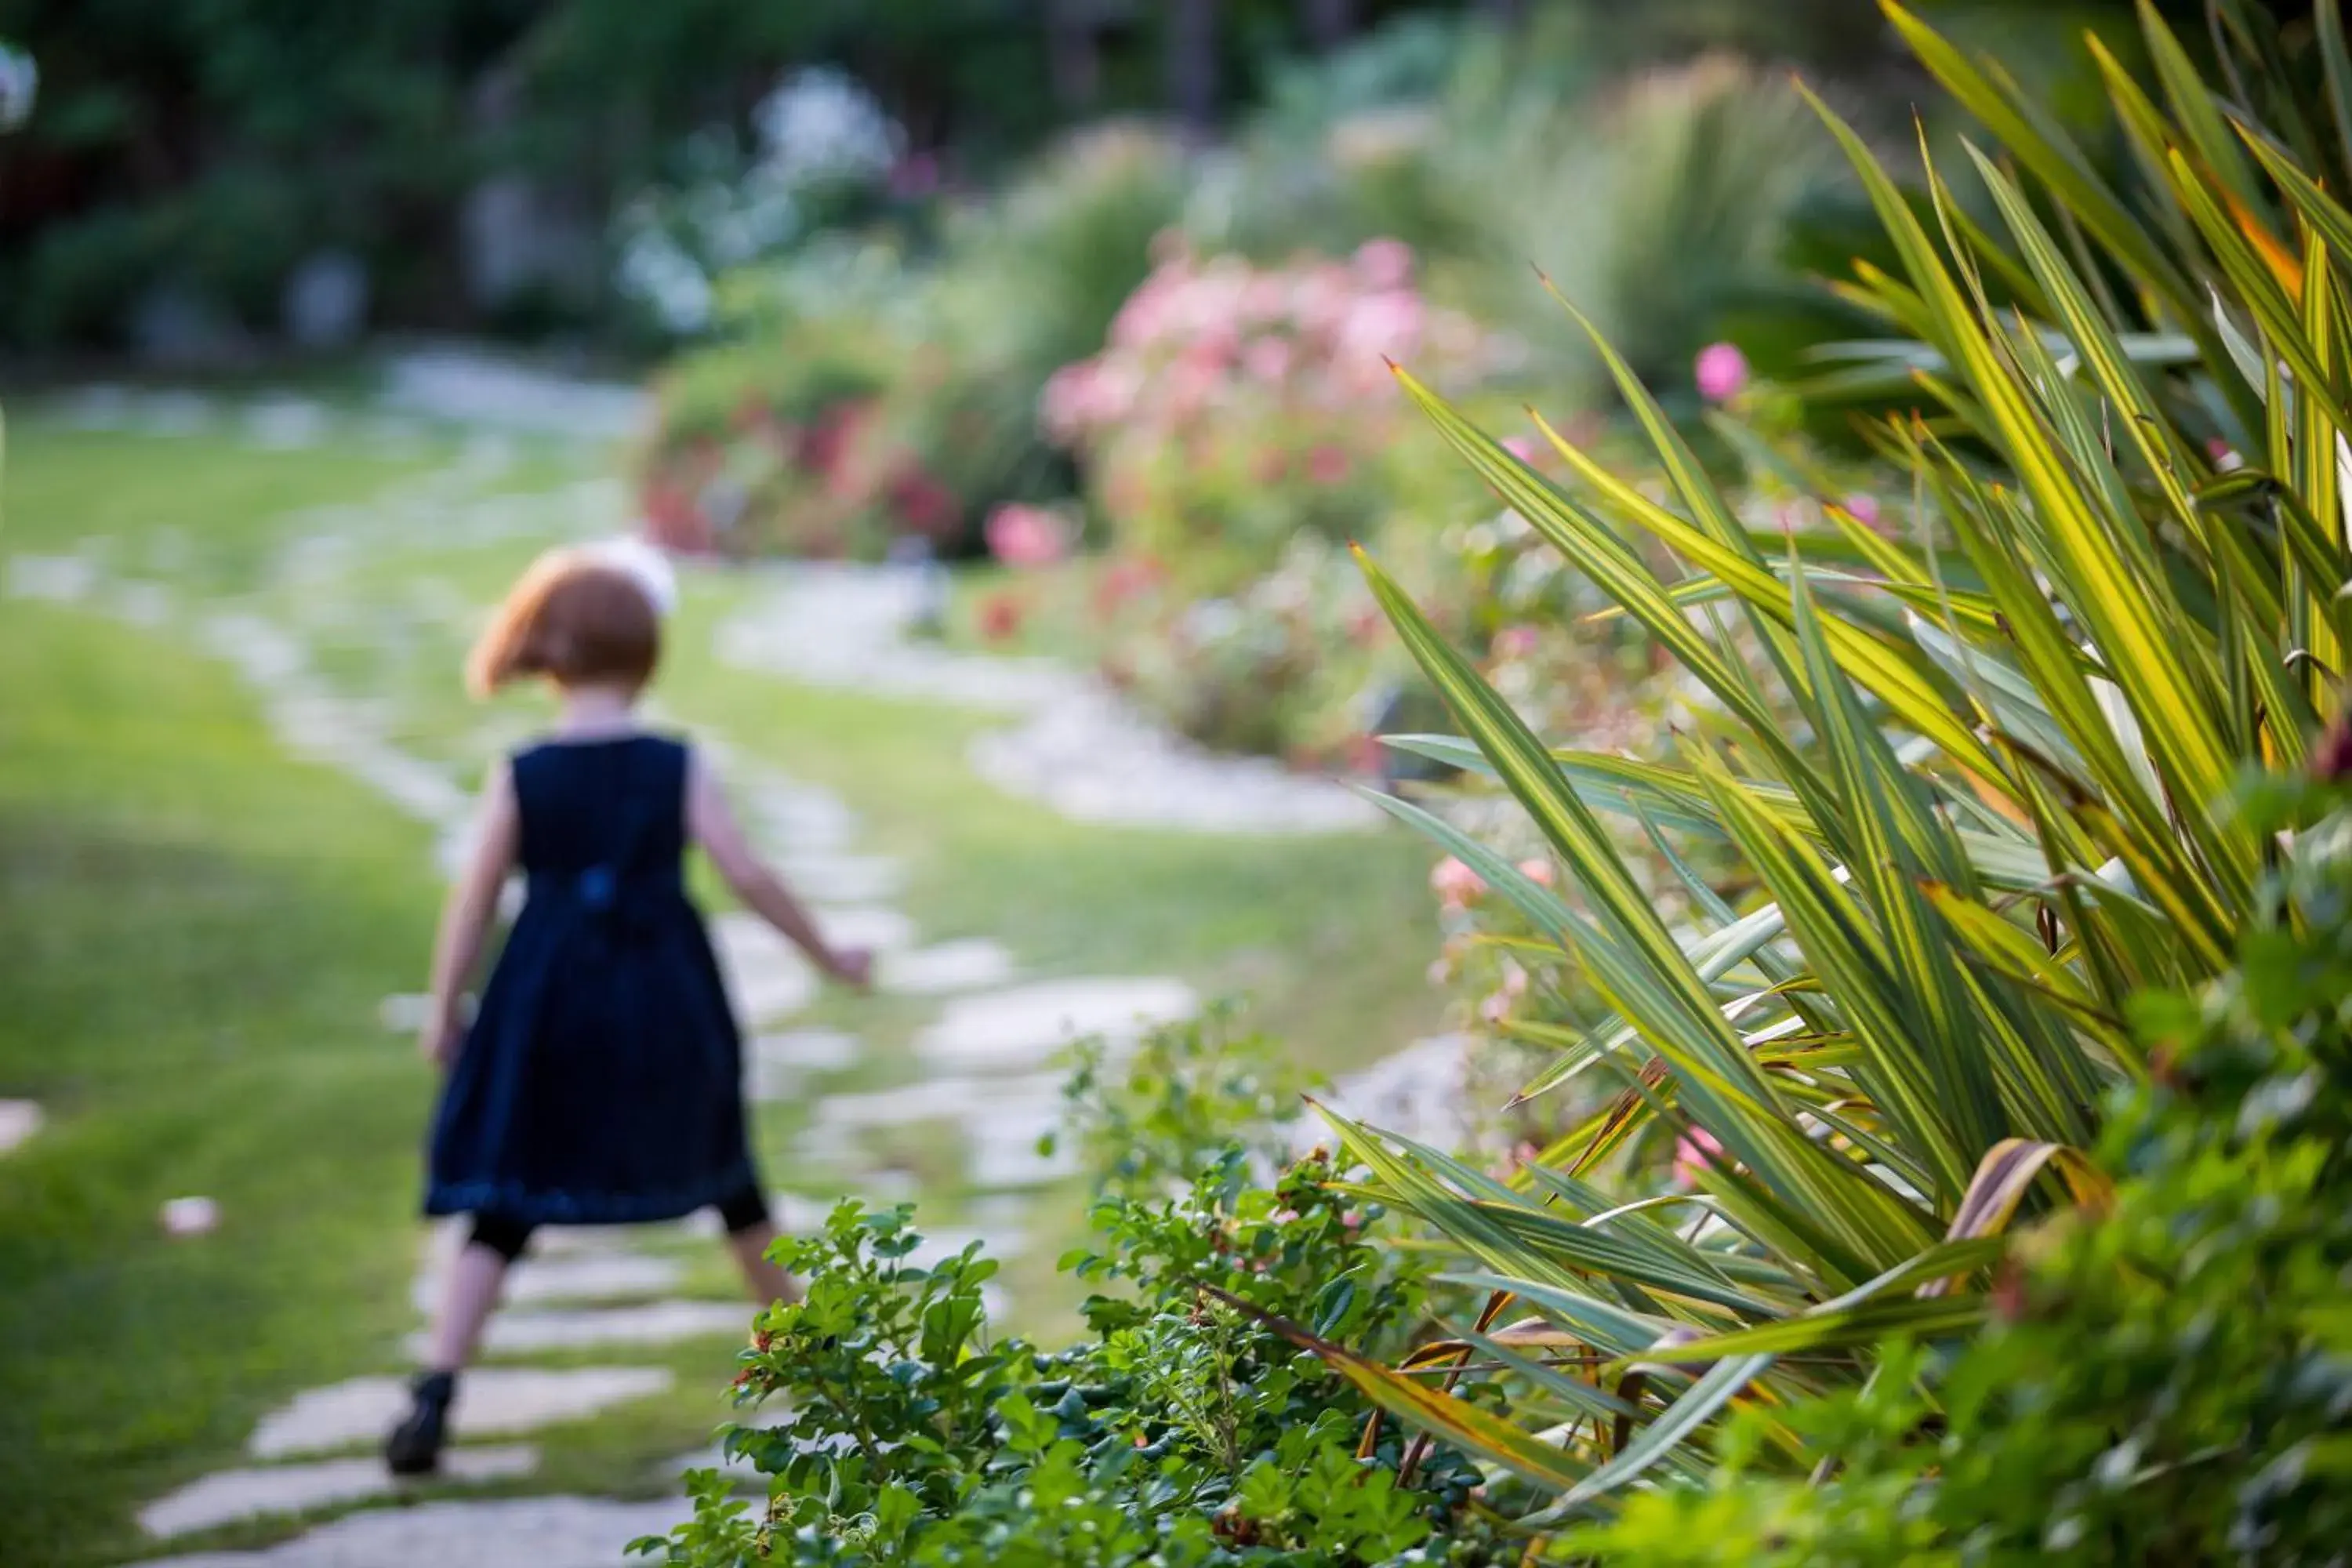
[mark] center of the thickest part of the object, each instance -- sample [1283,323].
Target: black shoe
[415,1447]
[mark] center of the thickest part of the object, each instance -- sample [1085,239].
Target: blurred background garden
[1716,625]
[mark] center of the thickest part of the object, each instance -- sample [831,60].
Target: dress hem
[515,1201]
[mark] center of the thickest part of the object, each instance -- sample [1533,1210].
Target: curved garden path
[360,607]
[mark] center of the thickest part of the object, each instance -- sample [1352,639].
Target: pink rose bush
[1027,536]
[1234,406]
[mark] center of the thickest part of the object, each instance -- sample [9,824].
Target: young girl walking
[600,1080]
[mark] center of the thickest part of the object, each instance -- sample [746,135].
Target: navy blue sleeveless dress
[601,1082]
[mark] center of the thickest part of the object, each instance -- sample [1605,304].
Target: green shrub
[1182,1431]
[1141,1122]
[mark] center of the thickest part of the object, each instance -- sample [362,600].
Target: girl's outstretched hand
[854,967]
[438,1041]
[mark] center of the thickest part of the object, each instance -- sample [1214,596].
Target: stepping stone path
[1079,749]
[513,1334]
[1027,1026]
[518,1532]
[989,1086]
[497,1402]
[583,1276]
[226,1496]
[948,967]
[1421,1092]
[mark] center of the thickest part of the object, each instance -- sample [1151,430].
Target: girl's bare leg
[762,1276]
[468,1295]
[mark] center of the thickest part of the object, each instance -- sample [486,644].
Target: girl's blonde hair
[574,619]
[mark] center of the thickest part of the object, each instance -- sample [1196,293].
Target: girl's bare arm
[711,820]
[465,918]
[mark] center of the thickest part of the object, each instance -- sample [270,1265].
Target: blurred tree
[1191,31]
[208,146]
[1328,23]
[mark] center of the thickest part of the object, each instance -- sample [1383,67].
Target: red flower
[673,521]
[2007,1300]
[1001,616]
[927,505]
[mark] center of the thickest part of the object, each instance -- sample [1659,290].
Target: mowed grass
[194,936]
[196,931]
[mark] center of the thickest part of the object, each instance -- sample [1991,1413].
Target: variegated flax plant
[1981,783]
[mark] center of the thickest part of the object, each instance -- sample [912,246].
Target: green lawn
[195,930]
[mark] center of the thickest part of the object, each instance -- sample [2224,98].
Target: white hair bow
[645,565]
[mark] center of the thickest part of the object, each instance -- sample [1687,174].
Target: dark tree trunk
[1071,53]
[1329,23]
[1191,46]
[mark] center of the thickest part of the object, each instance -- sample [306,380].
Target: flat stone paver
[837,878]
[578,1277]
[793,1214]
[1421,1092]
[531,1331]
[870,926]
[807,1050]
[19,1119]
[404,1013]
[766,976]
[1077,747]
[972,965]
[1001,1119]
[511,1532]
[1027,1026]
[228,1496]
[491,1402]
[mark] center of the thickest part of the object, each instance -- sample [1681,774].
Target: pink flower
[1519,447]
[1267,359]
[1721,371]
[1863,508]
[1496,1007]
[1379,326]
[1327,464]
[1067,405]
[1538,870]
[1516,642]
[2225,456]
[1696,1152]
[1021,535]
[1456,885]
[1384,263]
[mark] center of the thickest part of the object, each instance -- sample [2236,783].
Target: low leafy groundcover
[1184,1430]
